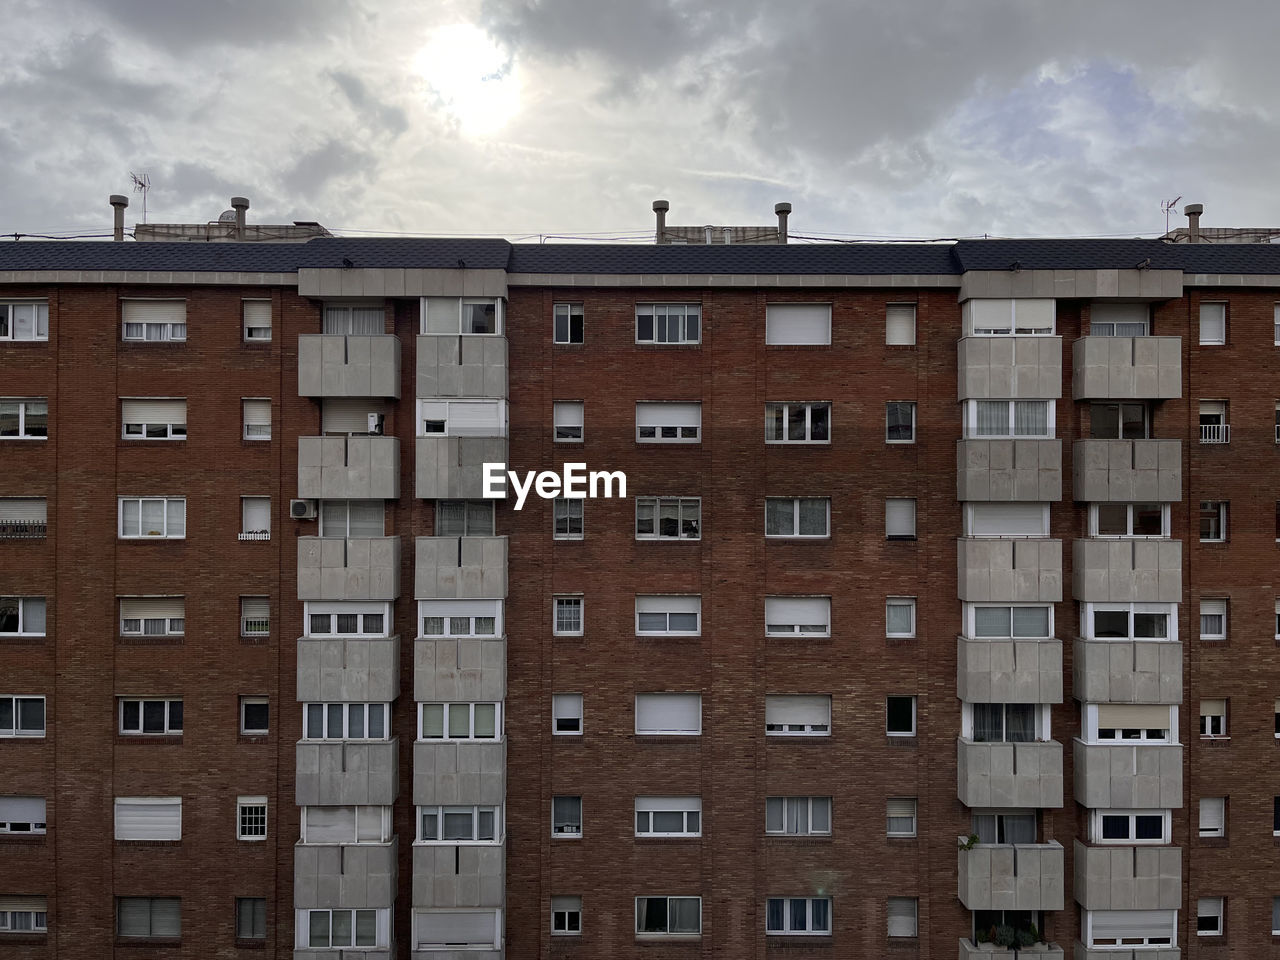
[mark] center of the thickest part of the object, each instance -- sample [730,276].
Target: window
[22,616]
[1275,816]
[1213,521]
[900,716]
[464,518]
[330,825]
[1129,826]
[465,315]
[23,518]
[567,513]
[24,419]
[1213,718]
[797,517]
[24,320]
[1209,916]
[1277,339]
[459,721]
[567,619]
[566,714]
[797,616]
[255,716]
[568,323]
[153,419]
[1213,619]
[153,517]
[22,815]
[148,818]
[668,518]
[1129,722]
[566,816]
[342,928]
[668,323]
[24,915]
[567,420]
[251,818]
[668,816]
[255,616]
[459,824]
[462,418]
[1006,519]
[797,323]
[154,319]
[900,817]
[345,721]
[1119,319]
[1213,816]
[900,324]
[1118,421]
[900,422]
[670,916]
[797,716]
[152,616]
[257,419]
[797,816]
[669,616]
[1009,418]
[566,916]
[149,917]
[1129,520]
[1213,324]
[1003,318]
[251,918]
[255,518]
[355,321]
[901,915]
[460,618]
[1005,826]
[797,423]
[159,717]
[669,714]
[257,320]
[900,617]
[347,618]
[900,518]
[21,716]
[1130,621]
[1006,621]
[451,929]
[803,916]
[668,422]
[1004,722]
[1213,422]
[1275,901]
[1130,928]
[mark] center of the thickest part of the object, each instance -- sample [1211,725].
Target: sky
[549,119]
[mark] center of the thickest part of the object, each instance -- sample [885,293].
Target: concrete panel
[1126,368]
[1008,469]
[1128,877]
[355,876]
[349,468]
[460,772]
[462,875]
[300,953]
[350,670]
[352,568]
[1129,283]
[1139,776]
[457,568]
[1081,952]
[453,366]
[456,670]
[452,468]
[1009,774]
[1009,368]
[983,951]
[1009,671]
[1009,571]
[346,773]
[1011,877]
[1127,470]
[334,365]
[1127,671]
[1147,571]
[373,281]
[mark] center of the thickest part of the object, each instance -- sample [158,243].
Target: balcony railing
[255,627]
[255,535]
[1215,433]
[23,529]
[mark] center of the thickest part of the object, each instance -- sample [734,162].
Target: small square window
[1275,816]
[568,617]
[566,714]
[900,324]
[1213,324]
[1213,521]
[257,419]
[568,518]
[902,913]
[1213,619]
[900,519]
[900,815]
[1213,718]
[251,918]
[1209,912]
[900,617]
[568,323]
[1275,901]
[900,714]
[257,321]
[566,916]
[251,818]
[566,416]
[566,816]
[1213,816]
[899,422]
[254,716]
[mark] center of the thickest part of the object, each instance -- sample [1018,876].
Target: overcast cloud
[928,118]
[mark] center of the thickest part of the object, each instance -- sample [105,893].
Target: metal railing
[23,529]
[255,626]
[255,535]
[1215,433]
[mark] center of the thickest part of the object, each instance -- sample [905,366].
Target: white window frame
[23,617]
[902,534]
[1097,817]
[778,503]
[680,435]
[810,628]
[460,618]
[788,905]
[1169,610]
[152,626]
[819,727]
[1129,512]
[169,730]
[911,404]
[1222,520]
[259,533]
[1091,729]
[1211,817]
[568,416]
[567,604]
[666,606]
[562,825]
[566,512]
[566,916]
[791,810]
[172,431]
[16,701]
[907,603]
[1212,323]
[890,816]
[773,407]
[499,309]
[689,809]
[253,328]
[164,534]
[1040,711]
[567,706]
[339,319]
[681,732]
[247,815]
[430,406]
[365,708]
[568,312]
[654,934]
[1122,316]
[146,802]
[971,621]
[245,729]
[171,331]
[39,320]
[1214,909]
[439,811]
[359,811]
[252,427]
[972,512]
[1213,725]
[688,509]
[1011,328]
[970,411]
[813,329]
[381,926]
[316,611]
[29,920]
[22,403]
[28,827]
[902,903]
[255,626]
[1211,610]
[687,311]
[1087,918]
[894,338]
[915,706]
[457,707]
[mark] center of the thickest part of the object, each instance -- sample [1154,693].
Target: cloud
[390,118]
[184,25]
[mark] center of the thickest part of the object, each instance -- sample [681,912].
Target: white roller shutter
[341,415]
[154,311]
[669,803]
[900,518]
[481,418]
[455,608]
[1122,924]
[22,810]
[255,513]
[153,411]
[148,818]
[902,916]
[255,608]
[568,413]
[669,604]
[1034,315]
[1213,708]
[23,509]
[446,928]
[675,713]
[328,824]
[257,413]
[1008,519]
[797,610]
[24,904]
[1135,313]
[808,710]
[900,324]
[797,323]
[668,414]
[257,319]
[141,608]
[1133,716]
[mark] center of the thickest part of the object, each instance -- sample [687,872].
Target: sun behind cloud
[474,78]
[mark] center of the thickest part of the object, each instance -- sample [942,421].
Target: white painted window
[669,616]
[23,616]
[900,816]
[1021,419]
[797,323]
[163,517]
[459,721]
[22,815]
[668,518]
[460,618]
[568,326]
[1214,425]
[330,825]
[153,419]
[157,918]
[462,418]
[900,716]
[900,617]
[668,323]
[24,418]
[1213,718]
[900,518]
[257,419]
[333,929]
[1004,722]
[462,315]
[255,616]
[154,319]
[797,423]
[900,324]
[797,916]
[347,618]
[1213,619]
[1008,621]
[1213,324]
[1209,914]
[255,716]
[668,916]
[1130,621]
[459,824]
[1006,519]
[797,816]
[1130,826]
[255,518]
[1002,318]
[1107,319]
[24,915]
[152,616]
[566,714]
[792,715]
[1213,521]
[251,818]
[1213,816]
[668,816]
[670,714]
[21,716]
[1130,928]
[566,916]
[567,616]
[479,929]
[797,616]
[354,320]
[1129,723]
[900,421]
[566,816]
[345,721]
[1004,826]
[464,518]
[1136,521]
[797,517]
[257,321]
[568,518]
[147,717]
[24,320]
[148,818]
[663,422]
[568,417]
[901,913]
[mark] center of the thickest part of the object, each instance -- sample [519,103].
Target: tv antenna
[1165,205]
[141,184]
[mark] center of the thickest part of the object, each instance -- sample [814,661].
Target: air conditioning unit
[375,424]
[302,509]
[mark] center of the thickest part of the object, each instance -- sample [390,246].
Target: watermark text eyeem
[576,483]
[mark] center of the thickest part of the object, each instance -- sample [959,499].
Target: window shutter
[792,610]
[341,416]
[23,904]
[255,608]
[141,608]
[329,824]
[1212,813]
[23,809]
[154,311]
[988,315]
[447,927]
[566,706]
[1213,323]
[1118,313]
[900,324]
[568,414]
[1133,715]
[477,419]
[257,314]
[1121,924]
[454,608]
[797,709]
[668,713]
[1034,314]
[669,604]
[367,518]
[797,323]
[669,803]
[1215,708]
[148,818]
[902,917]
[901,807]
[1007,519]
[900,518]
[23,509]
[668,414]
[153,411]
[256,513]
[257,413]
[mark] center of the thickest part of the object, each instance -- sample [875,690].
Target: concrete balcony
[1009,368]
[1127,471]
[1128,878]
[1007,469]
[985,951]
[454,366]
[350,568]
[354,875]
[1009,774]
[333,365]
[1009,671]
[349,670]
[1126,368]
[364,953]
[462,875]
[1082,952]
[470,772]
[1127,775]
[457,670]
[1127,571]
[1023,876]
[349,468]
[1127,671]
[452,468]
[346,773]
[461,568]
[1009,571]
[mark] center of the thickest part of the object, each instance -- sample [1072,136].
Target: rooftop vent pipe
[783,210]
[119,203]
[240,205]
[660,208]
[1193,211]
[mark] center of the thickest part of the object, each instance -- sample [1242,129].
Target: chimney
[1193,211]
[240,205]
[727,232]
[783,210]
[708,232]
[660,208]
[119,203]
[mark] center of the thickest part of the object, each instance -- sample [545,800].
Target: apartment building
[939,615]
